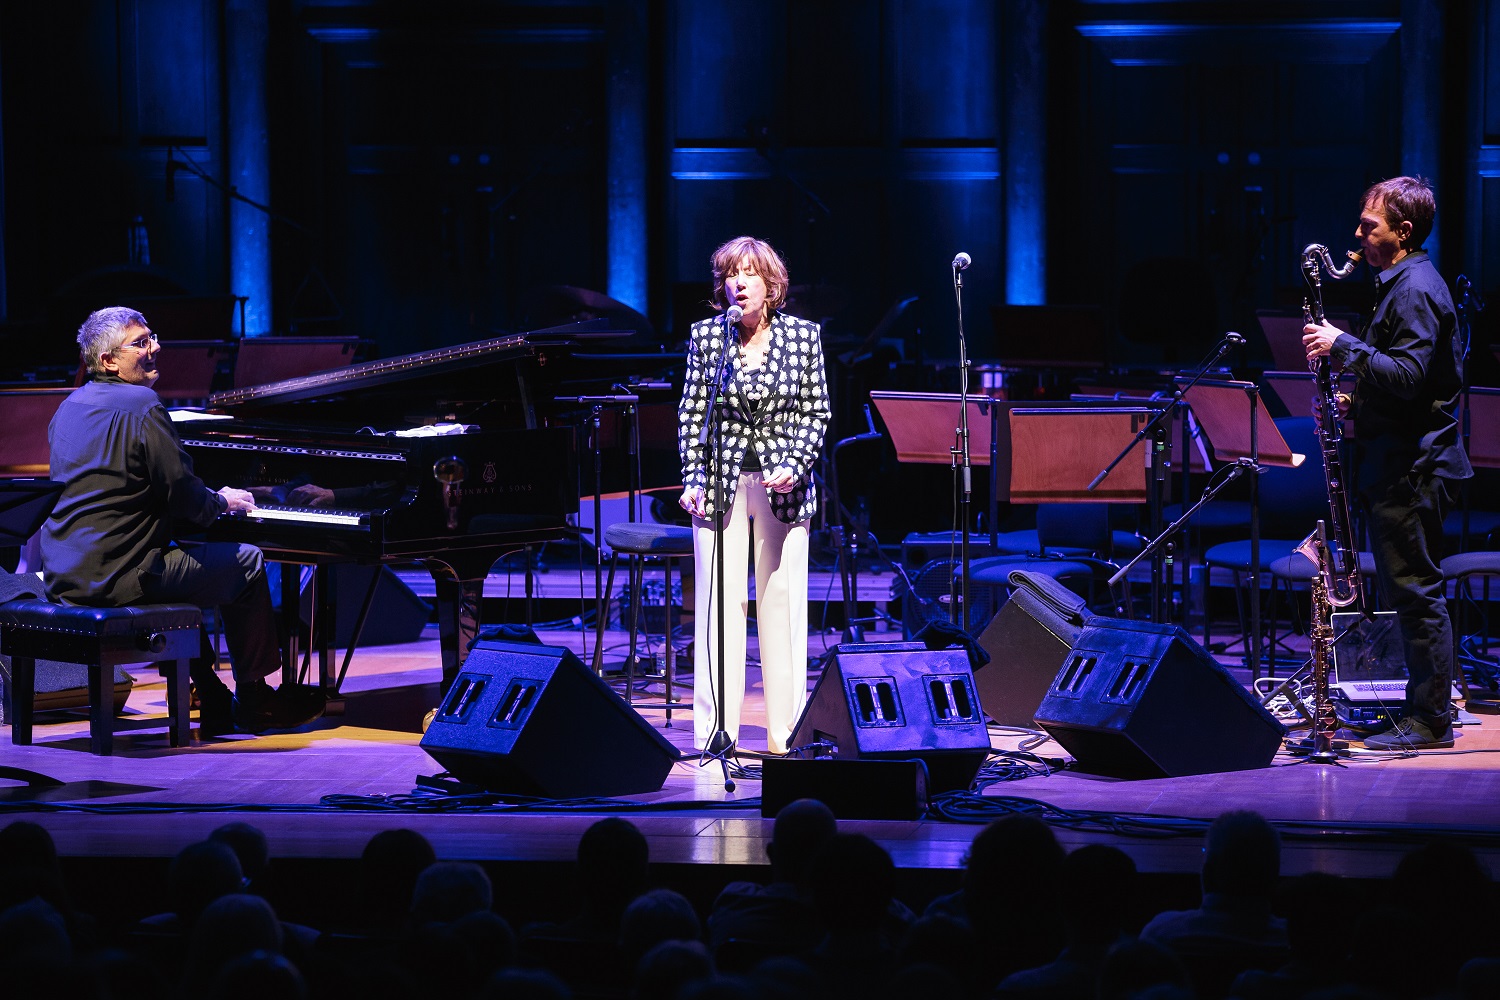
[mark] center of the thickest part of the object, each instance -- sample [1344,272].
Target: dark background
[433,166]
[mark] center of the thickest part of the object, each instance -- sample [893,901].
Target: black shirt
[1409,365]
[125,479]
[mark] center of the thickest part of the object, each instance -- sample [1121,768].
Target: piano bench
[100,639]
[641,540]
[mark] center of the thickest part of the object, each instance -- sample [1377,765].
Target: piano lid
[448,362]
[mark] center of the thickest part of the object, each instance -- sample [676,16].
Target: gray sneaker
[1411,734]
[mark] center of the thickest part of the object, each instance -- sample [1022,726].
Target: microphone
[1234,338]
[734,314]
[962,261]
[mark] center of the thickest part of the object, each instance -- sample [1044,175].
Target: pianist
[109,541]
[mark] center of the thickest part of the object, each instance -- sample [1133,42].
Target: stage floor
[1352,819]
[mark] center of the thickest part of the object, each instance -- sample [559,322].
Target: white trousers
[780,616]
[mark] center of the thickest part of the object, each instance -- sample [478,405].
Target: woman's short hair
[1405,199]
[103,331]
[768,264]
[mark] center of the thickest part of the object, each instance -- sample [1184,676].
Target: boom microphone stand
[720,744]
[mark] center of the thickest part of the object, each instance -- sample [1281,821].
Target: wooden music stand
[1191,438]
[1483,406]
[1283,333]
[263,360]
[1296,391]
[25,415]
[921,425]
[187,368]
[1056,452]
[1225,409]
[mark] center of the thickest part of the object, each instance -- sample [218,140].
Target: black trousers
[232,578]
[1406,539]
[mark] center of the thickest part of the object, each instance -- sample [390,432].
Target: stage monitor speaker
[1141,700]
[533,720]
[1027,640]
[899,700]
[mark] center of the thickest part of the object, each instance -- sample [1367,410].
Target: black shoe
[1411,734]
[215,711]
[259,707]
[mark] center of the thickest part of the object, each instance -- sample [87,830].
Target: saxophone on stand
[1320,746]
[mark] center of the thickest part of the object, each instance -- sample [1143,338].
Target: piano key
[307,515]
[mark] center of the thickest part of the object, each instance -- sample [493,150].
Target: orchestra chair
[640,541]
[100,639]
[1459,571]
[1074,541]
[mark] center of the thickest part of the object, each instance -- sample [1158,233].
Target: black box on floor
[853,789]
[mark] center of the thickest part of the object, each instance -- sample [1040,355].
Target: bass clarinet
[1339,567]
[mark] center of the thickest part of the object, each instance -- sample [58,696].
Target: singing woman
[769,422]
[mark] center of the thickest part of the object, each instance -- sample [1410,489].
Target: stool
[1461,569]
[101,639]
[641,541]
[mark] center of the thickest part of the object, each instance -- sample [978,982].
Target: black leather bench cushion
[80,620]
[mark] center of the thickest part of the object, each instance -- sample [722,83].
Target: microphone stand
[720,745]
[1156,426]
[1240,467]
[961,461]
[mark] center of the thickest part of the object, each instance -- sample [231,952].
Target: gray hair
[101,333]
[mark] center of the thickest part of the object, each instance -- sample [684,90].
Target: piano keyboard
[307,515]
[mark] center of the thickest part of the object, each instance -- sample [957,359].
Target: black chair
[1074,542]
[1460,571]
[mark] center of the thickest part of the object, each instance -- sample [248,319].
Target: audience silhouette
[827,924]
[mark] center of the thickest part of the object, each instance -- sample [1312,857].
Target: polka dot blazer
[786,426]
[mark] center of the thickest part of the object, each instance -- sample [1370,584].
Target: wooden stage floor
[148,800]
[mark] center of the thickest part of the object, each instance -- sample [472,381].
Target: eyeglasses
[141,343]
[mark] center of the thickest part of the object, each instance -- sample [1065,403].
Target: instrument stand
[720,745]
[962,470]
[848,536]
[1156,430]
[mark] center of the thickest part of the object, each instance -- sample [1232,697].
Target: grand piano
[336,483]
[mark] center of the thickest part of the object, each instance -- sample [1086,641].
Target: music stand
[921,425]
[25,415]
[1297,391]
[1283,333]
[1241,430]
[187,368]
[1057,451]
[263,360]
